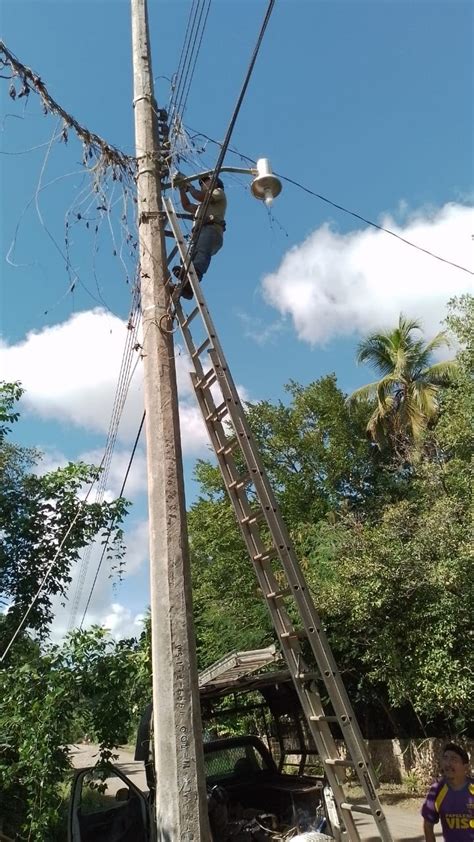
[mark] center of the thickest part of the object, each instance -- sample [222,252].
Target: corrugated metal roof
[235,667]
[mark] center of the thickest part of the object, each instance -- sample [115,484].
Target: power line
[176,79]
[106,543]
[121,392]
[49,569]
[192,34]
[187,85]
[215,175]
[340,207]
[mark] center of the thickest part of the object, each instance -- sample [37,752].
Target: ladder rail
[232,410]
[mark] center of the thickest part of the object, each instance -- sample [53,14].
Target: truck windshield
[232,762]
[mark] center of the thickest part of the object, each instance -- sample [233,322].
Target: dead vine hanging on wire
[23,80]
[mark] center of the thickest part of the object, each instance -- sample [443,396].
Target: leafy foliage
[381,535]
[48,692]
[44,525]
[48,699]
[407,395]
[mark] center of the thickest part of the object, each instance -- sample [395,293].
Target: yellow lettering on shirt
[457,822]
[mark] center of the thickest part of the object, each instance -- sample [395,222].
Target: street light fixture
[266,186]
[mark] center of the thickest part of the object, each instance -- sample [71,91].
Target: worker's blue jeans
[209,242]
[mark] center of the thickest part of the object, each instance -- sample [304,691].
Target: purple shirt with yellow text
[455,808]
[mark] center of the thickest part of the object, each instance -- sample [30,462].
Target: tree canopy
[45,523]
[381,535]
[407,393]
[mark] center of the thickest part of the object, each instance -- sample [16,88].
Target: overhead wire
[121,392]
[176,78]
[215,175]
[192,28]
[181,107]
[48,572]
[109,532]
[340,207]
[185,74]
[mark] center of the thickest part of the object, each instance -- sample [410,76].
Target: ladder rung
[218,412]
[338,761]
[321,717]
[310,676]
[191,316]
[268,555]
[229,446]
[279,594]
[240,482]
[360,808]
[255,517]
[294,634]
[207,379]
[201,348]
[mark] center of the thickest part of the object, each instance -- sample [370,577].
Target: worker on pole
[209,231]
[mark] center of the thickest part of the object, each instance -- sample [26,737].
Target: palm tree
[407,394]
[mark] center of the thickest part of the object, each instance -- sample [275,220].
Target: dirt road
[403,819]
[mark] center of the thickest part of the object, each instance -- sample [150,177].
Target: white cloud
[121,622]
[137,476]
[108,591]
[50,460]
[70,372]
[344,284]
[255,328]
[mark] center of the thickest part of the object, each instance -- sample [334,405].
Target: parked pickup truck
[248,799]
[249,796]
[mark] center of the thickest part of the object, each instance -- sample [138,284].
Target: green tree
[48,699]
[44,525]
[384,546]
[45,690]
[407,394]
[319,462]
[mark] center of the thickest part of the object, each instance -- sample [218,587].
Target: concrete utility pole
[181,809]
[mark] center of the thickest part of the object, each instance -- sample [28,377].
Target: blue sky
[367,103]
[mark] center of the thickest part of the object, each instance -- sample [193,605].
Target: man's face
[454,769]
[205,183]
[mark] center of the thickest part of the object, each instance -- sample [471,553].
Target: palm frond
[412,418]
[441,340]
[364,393]
[406,325]
[425,398]
[385,389]
[377,351]
[441,374]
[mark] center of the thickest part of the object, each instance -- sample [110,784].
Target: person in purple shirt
[451,799]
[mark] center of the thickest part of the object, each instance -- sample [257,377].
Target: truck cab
[264,783]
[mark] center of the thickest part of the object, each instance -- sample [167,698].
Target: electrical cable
[49,569]
[187,58]
[190,70]
[176,76]
[121,392]
[105,153]
[341,207]
[132,455]
[205,204]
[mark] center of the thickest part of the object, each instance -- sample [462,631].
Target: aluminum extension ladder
[269,546]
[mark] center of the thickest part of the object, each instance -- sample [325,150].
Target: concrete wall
[414,763]
[395,760]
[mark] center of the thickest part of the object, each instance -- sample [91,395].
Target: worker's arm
[199,195]
[187,205]
[428,829]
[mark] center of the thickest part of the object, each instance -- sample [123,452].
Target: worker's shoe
[187,292]
[178,272]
